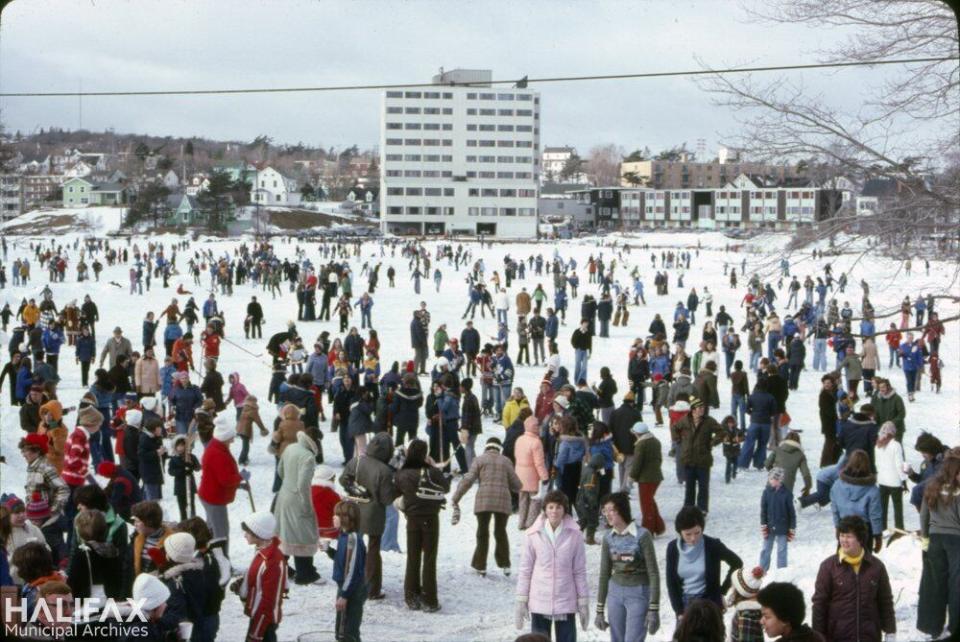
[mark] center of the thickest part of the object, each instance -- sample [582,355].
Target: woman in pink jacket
[531,469]
[552,585]
[238,393]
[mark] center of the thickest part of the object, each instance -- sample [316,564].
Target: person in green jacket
[440,339]
[789,456]
[889,406]
[645,471]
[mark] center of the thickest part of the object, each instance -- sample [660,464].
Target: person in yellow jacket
[31,313]
[51,425]
[511,409]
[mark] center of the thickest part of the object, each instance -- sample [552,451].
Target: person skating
[422,487]
[349,558]
[298,536]
[497,480]
[778,518]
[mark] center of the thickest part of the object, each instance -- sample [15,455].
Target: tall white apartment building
[460,157]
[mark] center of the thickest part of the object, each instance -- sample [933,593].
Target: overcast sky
[61,45]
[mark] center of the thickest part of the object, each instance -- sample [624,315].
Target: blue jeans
[755,360]
[697,487]
[501,394]
[773,339]
[894,357]
[738,408]
[501,316]
[781,541]
[677,450]
[604,327]
[693,316]
[820,496]
[580,358]
[182,426]
[911,376]
[627,612]
[487,396]
[389,541]
[755,446]
[566,630]
[152,491]
[820,355]
[365,321]
[729,358]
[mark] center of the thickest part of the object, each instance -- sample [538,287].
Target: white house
[171,180]
[78,169]
[273,188]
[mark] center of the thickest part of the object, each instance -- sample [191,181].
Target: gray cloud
[54,45]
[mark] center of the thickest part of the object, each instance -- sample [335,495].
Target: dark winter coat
[151,469]
[180,468]
[777,512]
[470,414]
[360,422]
[372,472]
[698,440]
[828,413]
[470,340]
[621,421]
[859,433]
[407,482]
[762,407]
[212,388]
[706,387]
[853,606]
[405,407]
[714,553]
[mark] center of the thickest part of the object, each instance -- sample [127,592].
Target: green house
[82,192]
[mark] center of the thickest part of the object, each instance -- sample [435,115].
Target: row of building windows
[428,111]
[417,210]
[501,128]
[501,143]
[472,111]
[417,173]
[416,158]
[426,142]
[420,191]
[509,175]
[436,95]
[418,126]
[502,211]
[429,95]
[499,159]
[490,192]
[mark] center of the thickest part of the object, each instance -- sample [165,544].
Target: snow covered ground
[92,221]
[477,608]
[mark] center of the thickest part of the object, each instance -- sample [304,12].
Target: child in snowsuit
[181,467]
[262,587]
[742,597]
[778,519]
[732,439]
[325,499]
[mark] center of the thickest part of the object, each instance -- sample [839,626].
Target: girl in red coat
[261,589]
[325,499]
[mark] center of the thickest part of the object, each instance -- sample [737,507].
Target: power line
[521,82]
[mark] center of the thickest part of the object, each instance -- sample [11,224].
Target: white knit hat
[134,418]
[747,584]
[180,547]
[262,524]
[562,401]
[223,429]
[640,428]
[149,403]
[151,590]
[323,473]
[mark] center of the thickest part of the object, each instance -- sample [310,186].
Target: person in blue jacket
[552,327]
[911,360]
[171,333]
[210,308]
[470,345]
[568,463]
[560,303]
[601,443]
[24,380]
[778,518]
[762,407]
[826,478]
[186,398]
[53,339]
[856,493]
[349,560]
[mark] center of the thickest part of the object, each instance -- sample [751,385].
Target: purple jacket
[553,577]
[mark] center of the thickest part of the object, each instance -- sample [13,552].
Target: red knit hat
[107,469]
[38,507]
[34,440]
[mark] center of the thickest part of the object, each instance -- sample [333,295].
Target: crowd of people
[575,462]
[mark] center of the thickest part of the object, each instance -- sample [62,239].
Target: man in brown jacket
[698,435]
[706,386]
[523,302]
[497,480]
[852,599]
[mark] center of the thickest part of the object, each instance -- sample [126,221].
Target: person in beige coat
[286,432]
[870,361]
[531,468]
[523,302]
[497,480]
[146,374]
[249,415]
